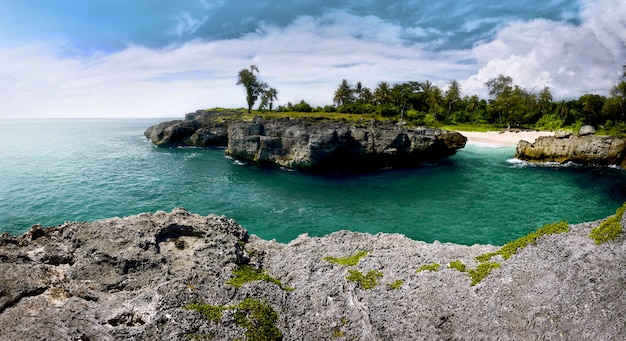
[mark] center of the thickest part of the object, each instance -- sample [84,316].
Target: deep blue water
[58,170]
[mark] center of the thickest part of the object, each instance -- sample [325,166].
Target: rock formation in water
[177,276]
[583,148]
[311,144]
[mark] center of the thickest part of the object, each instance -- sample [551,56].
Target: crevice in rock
[15,300]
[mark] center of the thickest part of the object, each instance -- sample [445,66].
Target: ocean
[58,170]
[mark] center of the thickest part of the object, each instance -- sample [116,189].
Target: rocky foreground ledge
[177,276]
[584,148]
[308,143]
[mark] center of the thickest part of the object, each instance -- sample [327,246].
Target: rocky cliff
[311,144]
[177,276]
[584,148]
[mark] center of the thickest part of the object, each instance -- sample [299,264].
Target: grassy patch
[368,281]
[395,285]
[429,267]
[482,270]
[347,261]
[243,274]
[258,317]
[609,229]
[457,265]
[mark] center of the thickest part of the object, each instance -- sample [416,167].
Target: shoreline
[503,138]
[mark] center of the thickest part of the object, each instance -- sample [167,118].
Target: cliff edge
[176,276]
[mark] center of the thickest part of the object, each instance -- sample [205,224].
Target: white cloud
[571,60]
[307,60]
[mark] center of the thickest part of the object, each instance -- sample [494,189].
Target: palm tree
[382,94]
[344,93]
[434,99]
[453,94]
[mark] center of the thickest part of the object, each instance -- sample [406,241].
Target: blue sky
[149,58]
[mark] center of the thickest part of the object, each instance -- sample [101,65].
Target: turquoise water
[52,171]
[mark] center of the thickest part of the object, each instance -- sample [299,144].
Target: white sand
[503,138]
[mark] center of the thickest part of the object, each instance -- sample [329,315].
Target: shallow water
[52,171]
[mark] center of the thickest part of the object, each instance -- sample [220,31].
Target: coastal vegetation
[610,229]
[423,103]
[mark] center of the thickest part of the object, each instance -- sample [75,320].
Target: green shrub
[429,267]
[366,282]
[245,273]
[609,229]
[347,261]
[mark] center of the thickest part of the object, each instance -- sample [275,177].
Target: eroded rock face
[196,130]
[115,279]
[320,145]
[130,278]
[586,150]
[310,144]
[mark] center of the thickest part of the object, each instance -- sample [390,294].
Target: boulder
[585,150]
[140,277]
[586,130]
[561,134]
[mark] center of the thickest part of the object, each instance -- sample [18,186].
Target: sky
[163,58]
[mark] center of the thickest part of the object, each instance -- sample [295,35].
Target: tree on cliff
[255,88]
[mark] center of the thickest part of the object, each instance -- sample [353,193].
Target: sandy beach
[504,138]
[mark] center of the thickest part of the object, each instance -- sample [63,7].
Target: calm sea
[58,170]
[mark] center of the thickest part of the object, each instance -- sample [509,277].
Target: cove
[54,171]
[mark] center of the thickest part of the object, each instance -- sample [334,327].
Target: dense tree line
[509,104]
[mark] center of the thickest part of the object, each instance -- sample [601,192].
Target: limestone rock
[325,144]
[585,150]
[130,278]
[309,143]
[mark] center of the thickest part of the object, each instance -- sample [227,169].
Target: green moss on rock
[368,281]
[347,261]
[429,267]
[257,317]
[457,265]
[481,271]
[243,274]
[395,285]
[609,229]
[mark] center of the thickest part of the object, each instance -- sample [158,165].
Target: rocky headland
[310,144]
[178,276]
[584,148]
